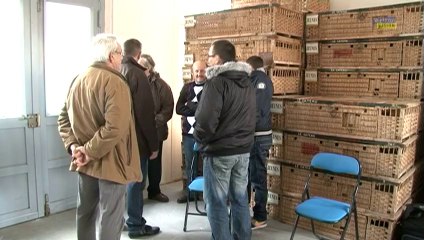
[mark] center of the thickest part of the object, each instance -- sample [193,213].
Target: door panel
[67,43]
[33,161]
[18,194]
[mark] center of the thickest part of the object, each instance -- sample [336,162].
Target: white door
[18,194]
[44,45]
[69,26]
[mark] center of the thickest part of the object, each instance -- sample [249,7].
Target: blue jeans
[135,200]
[258,172]
[188,143]
[226,179]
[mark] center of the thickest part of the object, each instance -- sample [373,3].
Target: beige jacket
[98,114]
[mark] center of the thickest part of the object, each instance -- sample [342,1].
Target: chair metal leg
[313,230]
[346,226]
[186,211]
[356,224]
[294,228]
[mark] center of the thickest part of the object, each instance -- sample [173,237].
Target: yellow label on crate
[386,26]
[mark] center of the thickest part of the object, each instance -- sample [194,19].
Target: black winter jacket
[225,117]
[264,90]
[143,106]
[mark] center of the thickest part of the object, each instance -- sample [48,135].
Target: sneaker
[146,230]
[258,224]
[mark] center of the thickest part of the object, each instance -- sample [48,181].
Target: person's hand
[80,157]
[154,155]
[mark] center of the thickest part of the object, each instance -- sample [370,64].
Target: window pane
[68,33]
[12,62]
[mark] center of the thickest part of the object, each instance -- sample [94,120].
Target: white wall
[351,4]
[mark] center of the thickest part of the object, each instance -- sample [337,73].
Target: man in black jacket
[225,126]
[263,140]
[147,138]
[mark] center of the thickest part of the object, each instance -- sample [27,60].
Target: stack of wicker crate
[363,86]
[270,31]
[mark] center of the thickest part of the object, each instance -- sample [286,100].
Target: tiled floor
[168,216]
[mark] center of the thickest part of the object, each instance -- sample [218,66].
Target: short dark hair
[255,61]
[132,47]
[225,50]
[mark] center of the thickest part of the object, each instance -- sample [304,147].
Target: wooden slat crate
[370,227]
[282,50]
[297,5]
[356,118]
[349,83]
[399,84]
[274,176]
[277,113]
[374,196]
[413,17]
[386,21]
[277,148]
[286,80]
[393,54]
[377,158]
[245,21]
[411,84]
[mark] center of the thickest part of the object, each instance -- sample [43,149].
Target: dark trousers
[257,175]
[135,200]
[155,173]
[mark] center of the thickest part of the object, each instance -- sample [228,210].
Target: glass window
[12,61]
[68,34]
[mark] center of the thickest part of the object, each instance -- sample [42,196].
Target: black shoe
[159,197]
[183,199]
[146,230]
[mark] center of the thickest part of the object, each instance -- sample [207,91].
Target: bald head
[199,70]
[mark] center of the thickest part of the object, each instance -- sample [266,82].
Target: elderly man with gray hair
[164,108]
[97,128]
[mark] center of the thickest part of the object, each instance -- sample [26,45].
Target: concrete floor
[168,216]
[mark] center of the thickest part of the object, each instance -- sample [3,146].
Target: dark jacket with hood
[225,117]
[264,90]
[143,105]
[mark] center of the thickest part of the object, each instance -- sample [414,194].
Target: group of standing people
[114,123]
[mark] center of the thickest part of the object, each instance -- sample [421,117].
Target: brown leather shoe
[160,198]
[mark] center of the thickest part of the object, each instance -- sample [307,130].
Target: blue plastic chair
[194,189]
[321,209]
